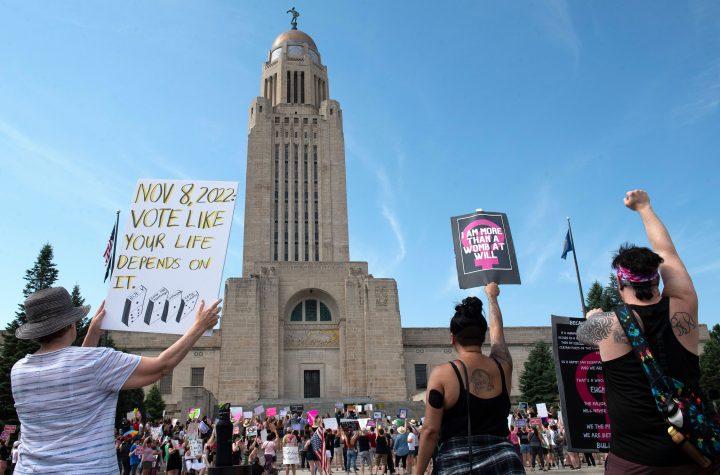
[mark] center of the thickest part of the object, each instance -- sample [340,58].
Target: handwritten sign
[582,388]
[195,448]
[484,249]
[541,409]
[171,255]
[192,430]
[330,423]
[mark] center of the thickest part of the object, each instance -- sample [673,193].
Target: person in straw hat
[65,396]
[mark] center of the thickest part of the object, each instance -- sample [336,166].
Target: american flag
[317,441]
[109,253]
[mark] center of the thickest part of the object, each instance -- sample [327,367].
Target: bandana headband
[625,274]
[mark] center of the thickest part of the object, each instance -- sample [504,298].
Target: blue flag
[567,247]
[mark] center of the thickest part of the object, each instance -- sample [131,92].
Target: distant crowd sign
[484,250]
[171,255]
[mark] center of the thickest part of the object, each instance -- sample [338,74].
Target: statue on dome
[295,14]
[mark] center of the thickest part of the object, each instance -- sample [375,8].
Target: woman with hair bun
[468,399]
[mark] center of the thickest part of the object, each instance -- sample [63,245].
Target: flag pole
[117,231]
[577,270]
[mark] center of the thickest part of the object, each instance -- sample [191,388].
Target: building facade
[304,323]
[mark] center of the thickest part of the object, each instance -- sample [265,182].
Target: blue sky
[541,109]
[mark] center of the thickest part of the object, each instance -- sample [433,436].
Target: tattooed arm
[498,348]
[596,328]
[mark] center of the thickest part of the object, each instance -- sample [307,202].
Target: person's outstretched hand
[637,200]
[97,319]
[492,290]
[206,318]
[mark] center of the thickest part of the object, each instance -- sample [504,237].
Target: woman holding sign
[468,400]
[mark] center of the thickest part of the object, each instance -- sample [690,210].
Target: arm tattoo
[499,351]
[619,336]
[682,323]
[596,328]
[480,381]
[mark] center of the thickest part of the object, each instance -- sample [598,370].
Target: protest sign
[194,413]
[311,416]
[297,409]
[510,420]
[263,435]
[291,455]
[523,406]
[521,423]
[271,411]
[363,423]
[192,430]
[251,431]
[402,414]
[582,388]
[258,410]
[370,423]
[541,409]
[247,414]
[350,425]
[297,426]
[171,255]
[203,427]
[377,415]
[236,413]
[358,408]
[339,405]
[535,421]
[484,249]
[283,412]
[330,423]
[195,447]
[130,416]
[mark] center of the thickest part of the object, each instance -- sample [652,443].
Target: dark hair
[640,261]
[468,325]
[53,336]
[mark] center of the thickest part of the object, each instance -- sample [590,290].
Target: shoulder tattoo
[480,381]
[596,328]
[682,323]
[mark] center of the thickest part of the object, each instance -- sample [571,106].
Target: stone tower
[296,161]
[303,322]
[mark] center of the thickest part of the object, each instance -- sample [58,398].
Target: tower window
[296,120]
[420,376]
[305,120]
[259,108]
[287,120]
[302,87]
[307,311]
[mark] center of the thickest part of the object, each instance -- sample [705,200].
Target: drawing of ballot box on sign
[134,306]
[159,307]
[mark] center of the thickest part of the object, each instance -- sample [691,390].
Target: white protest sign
[363,423]
[195,447]
[263,435]
[330,423]
[170,256]
[259,410]
[291,456]
[247,414]
[541,409]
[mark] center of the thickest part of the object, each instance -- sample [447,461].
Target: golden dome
[294,36]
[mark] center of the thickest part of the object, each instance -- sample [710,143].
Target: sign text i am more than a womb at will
[484,249]
[171,255]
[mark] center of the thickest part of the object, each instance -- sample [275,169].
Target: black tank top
[638,431]
[487,416]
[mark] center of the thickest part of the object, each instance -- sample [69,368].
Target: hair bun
[471,307]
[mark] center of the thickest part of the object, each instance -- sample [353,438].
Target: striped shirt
[66,402]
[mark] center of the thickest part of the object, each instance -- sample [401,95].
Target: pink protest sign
[311,416]
[271,411]
[484,250]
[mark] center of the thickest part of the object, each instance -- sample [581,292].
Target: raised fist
[637,200]
[492,290]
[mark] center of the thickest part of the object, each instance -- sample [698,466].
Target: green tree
[710,364]
[154,404]
[41,275]
[611,295]
[538,380]
[594,297]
